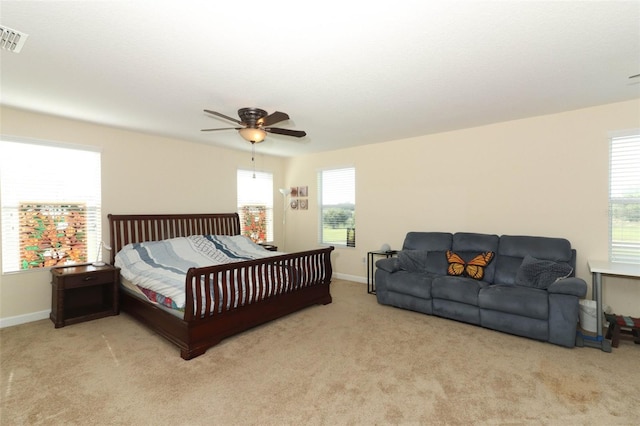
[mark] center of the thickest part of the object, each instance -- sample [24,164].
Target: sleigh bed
[223,299]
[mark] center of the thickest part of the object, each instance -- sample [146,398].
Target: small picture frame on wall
[303,191]
[293,204]
[294,191]
[302,204]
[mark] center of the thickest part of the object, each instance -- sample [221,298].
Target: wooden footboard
[266,289]
[254,281]
[224,299]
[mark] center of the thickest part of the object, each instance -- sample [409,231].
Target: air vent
[11,39]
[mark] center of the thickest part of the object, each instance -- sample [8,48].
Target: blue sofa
[522,285]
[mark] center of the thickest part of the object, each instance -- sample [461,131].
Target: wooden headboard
[127,229]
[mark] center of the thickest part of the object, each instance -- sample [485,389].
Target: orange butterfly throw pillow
[472,269]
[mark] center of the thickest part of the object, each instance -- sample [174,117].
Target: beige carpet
[350,362]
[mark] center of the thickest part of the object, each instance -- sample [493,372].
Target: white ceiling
[347,74]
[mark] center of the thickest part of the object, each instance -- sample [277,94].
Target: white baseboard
[23,319]
[350,277]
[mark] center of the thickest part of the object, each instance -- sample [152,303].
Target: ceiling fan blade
[226,117]
[274,118]
[287,132]
[224,128]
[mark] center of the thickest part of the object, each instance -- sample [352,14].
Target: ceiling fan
[256,123]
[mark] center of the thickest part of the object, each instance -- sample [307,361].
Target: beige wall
[544,176]
[140,174]
[540,176]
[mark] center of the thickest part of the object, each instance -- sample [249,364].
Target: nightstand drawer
[95,278]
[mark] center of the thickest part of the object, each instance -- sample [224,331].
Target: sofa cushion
[417,284]
[474,243]
[525,301]
[389,264]
[513,249]
[458,289]
[541,273]
[556,249]
[437,262]
[571,286]
[434,262]
[456,310]
[471,241]
[413,260]
[468,265]
[406,301]
[429,241]
[520,325]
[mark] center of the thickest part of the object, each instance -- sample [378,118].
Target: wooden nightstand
[83,293]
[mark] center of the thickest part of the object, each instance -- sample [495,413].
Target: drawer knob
[89,278]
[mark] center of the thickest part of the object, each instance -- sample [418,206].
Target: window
[255,205]
[50,205]
[624,199]
[337,189]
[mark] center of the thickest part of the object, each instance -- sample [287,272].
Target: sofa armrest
[389,264]
[572,286]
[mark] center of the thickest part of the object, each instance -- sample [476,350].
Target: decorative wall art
[299,203]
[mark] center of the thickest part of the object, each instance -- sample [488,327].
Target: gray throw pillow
[413,260]
[437,262]
[539,273]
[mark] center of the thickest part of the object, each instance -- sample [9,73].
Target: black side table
[371,283]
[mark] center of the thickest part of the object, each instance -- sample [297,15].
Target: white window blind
[624,199]
[255,204]
[50,205]
[337,189]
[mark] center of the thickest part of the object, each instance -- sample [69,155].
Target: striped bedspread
[159,268]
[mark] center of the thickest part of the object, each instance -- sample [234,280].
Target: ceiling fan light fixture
[255,135]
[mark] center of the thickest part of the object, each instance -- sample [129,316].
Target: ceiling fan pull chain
[253,158]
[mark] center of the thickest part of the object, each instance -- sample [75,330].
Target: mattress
[156,270]
[135,291]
